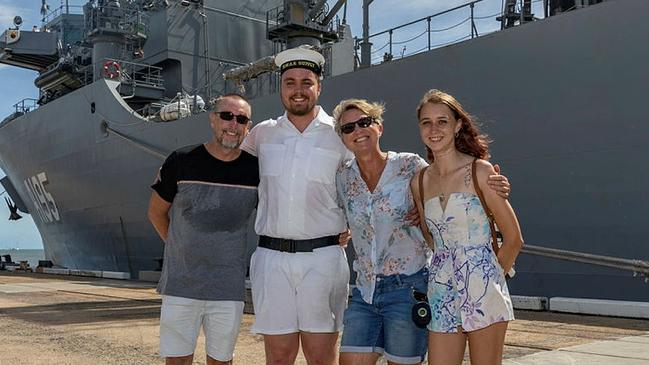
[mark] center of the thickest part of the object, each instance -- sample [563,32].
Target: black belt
[293,246]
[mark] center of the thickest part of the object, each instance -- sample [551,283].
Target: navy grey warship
[123,83]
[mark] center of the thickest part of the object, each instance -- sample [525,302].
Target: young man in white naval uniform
[299,272]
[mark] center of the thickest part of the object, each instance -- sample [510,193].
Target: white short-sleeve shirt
[297,171]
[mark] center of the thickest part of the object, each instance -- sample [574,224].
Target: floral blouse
[384,241]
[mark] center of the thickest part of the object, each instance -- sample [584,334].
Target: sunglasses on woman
[363,123]
[228,116]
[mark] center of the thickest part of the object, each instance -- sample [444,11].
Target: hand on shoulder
[491,181]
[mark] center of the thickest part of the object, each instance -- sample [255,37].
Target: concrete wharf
[85,320]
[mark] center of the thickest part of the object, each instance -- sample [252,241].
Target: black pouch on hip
[420,310]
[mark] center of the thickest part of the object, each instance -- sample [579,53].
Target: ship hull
[562,99]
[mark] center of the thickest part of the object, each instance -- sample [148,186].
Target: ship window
[92,107]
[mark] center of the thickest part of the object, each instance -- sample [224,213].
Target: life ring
[111,69]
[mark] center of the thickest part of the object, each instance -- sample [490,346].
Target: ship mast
[366,45]
[111,28]
[295,23]
[300,22]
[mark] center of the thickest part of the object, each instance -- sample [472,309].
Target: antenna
[366,45]
[333,12]
[44,8]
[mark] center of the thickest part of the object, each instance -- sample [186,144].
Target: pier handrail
[638,267]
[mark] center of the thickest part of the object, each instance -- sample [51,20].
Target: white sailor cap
[300,57]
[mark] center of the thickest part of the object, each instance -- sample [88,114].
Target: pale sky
[17,84]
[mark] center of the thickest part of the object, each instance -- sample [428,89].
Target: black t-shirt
[194,163]
[210,223]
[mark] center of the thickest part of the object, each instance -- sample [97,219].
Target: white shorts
[182,318]
[304,291]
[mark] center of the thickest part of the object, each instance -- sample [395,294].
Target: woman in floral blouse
[391,253]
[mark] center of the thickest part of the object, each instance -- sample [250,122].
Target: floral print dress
[467,285]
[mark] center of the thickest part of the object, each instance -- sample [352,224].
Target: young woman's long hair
[469,139]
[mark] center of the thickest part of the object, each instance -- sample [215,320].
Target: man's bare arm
[159,215]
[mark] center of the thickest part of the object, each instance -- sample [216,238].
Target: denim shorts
[386,325]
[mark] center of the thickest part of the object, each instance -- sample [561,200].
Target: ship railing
[86,74]
[25,106]
[62,10]
[451,26]
[133,73]
[127,21]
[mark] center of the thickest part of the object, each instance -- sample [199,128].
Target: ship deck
[80,320]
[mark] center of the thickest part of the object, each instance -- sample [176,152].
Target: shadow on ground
[85,312]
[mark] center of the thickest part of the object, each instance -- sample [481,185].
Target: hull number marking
[43,201]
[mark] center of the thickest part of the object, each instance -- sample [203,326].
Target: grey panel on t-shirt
[205,252]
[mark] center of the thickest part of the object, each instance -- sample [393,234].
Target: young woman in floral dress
[467,291]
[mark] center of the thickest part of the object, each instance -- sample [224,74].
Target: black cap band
[309,65]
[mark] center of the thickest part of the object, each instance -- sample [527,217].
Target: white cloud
[7,14]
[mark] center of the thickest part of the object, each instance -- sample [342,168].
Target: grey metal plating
[562,98]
